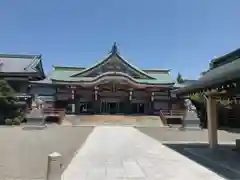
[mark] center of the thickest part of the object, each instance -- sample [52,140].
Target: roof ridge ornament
[114,49]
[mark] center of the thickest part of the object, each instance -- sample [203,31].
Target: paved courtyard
[23,153]
[125,153]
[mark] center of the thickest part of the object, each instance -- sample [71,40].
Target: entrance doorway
[85,107]
[137,108]
[109,107]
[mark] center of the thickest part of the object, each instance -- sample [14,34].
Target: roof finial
[114,49]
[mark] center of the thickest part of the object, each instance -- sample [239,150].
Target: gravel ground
[23,153]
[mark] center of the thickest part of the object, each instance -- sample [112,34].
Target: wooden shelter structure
[221,81]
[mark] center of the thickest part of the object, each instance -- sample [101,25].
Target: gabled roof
[79,74]
[19,63]
[108,58]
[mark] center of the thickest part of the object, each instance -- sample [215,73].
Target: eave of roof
[223,74]
[231,56]
[156,70]
[28,56]
[68,68]
[66,75]
[225,55]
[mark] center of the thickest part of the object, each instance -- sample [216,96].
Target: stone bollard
[54,167]
[237,143]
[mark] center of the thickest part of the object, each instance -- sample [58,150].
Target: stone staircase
[118,120]
[35,119]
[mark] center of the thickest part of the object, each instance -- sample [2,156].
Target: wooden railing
[163,118]
[169,114]
[172,112]
[56,111]
[51,111]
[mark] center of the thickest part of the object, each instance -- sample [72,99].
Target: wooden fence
[172,116]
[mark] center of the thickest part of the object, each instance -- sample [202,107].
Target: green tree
[203,73]
[7,99]
[8,108]
[180,78]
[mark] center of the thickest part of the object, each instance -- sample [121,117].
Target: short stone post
[54,167]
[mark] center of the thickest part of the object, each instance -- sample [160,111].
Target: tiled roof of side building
[19,63]
[213,78]
[231,56]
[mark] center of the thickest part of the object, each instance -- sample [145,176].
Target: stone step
[34,127]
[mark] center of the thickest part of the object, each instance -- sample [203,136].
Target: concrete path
[124,153]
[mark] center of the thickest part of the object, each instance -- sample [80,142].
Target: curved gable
[114,62]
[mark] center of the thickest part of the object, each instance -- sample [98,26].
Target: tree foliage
[7,99]
[8,107]
[197,97]
[180,78]
[203,73]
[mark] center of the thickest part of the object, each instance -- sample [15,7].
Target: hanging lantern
[152,96]
[72,94]
[130,95]
[96,92]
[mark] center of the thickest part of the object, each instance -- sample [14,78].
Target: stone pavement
[23,153]
[118,153]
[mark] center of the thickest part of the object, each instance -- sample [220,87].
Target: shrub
[8,121]
[17,120]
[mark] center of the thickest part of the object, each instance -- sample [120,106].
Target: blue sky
[182,35]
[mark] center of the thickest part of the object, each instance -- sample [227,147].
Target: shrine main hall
[111,86]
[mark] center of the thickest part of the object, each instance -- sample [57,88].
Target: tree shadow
[222,160]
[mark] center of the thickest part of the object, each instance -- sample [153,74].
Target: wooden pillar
[73,100]
[212,121]
[129,102]
[151,103]
[96,104]
[169,99]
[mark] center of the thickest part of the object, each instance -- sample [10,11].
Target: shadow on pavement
[222,160]
[232,130]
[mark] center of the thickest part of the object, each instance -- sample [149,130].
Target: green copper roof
[79,74]
[65,74]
